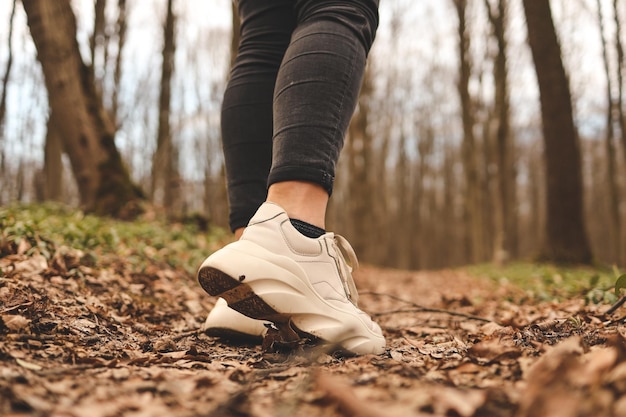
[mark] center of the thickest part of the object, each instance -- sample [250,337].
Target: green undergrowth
[45,229]
[546,282]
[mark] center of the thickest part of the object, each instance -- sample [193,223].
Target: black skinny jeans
[292,91]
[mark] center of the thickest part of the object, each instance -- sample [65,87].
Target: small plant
[44,229]
[620,284]
[546,282]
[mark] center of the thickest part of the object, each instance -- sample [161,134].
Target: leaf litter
[117,338]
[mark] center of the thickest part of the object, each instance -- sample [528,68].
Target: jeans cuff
[299,173]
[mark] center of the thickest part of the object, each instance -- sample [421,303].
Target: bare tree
[3,102]
[165,177]
[88,134]
[5,82]
[613,189]
[117,74]
[475,227]
[53,161]
[566,237]
[620,75]
[505,201]
[97,42]
[359,153]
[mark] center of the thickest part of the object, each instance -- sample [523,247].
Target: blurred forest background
[487,130]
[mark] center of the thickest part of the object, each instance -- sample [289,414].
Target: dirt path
[111,341]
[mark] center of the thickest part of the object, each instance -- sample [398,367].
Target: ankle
[301,200]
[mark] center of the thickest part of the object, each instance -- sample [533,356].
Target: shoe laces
[345,268]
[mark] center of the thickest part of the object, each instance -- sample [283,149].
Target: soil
[116,340]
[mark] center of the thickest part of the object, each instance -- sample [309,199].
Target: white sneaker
[227,323]
[275,273]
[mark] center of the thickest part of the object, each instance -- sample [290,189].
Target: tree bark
[359,153]
[473,206]
[117,74]
[88,134]
[620,76]
[506,201]
[215,192]
[566,238]
[5,82]
[53,162]
[96,41]
[620,94]
[611,163]
[165,177]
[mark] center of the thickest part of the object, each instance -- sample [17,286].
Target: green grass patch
[547,282]
[45,228]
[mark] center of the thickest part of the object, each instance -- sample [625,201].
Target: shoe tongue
[344,248]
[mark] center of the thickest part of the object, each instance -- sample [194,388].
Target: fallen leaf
[464,403]
[34,265]
[494,350]
[28,365]
[15,323]
[566,383]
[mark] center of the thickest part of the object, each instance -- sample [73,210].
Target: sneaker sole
[311,312]
[240,297]
[233,336]
[225,323]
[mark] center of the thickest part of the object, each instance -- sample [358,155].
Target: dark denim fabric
[292,91]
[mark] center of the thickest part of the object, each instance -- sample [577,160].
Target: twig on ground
[186,334]
[617,321]
[15,307]
[420,308]
[617,305]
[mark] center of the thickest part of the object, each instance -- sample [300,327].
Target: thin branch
[617,305]
[183,335]
[15,307]
[420,308]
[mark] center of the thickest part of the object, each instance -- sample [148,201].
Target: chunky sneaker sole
[226,323]
[277,285]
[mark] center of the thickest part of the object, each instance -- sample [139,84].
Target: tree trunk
[215,192]
[566,238]
[53,162]
[473,206]
[359,153]
[165,178]
[5,84]
[506,201]
[613,190]
[620,76]
[96,41]
[620,94]
[117,74]
[88,134]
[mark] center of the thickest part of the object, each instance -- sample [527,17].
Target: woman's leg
[286,272]
[266,28]
[315,96]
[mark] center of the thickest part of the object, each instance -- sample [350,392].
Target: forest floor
[86,331]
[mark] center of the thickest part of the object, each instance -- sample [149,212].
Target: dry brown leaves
[79,340]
